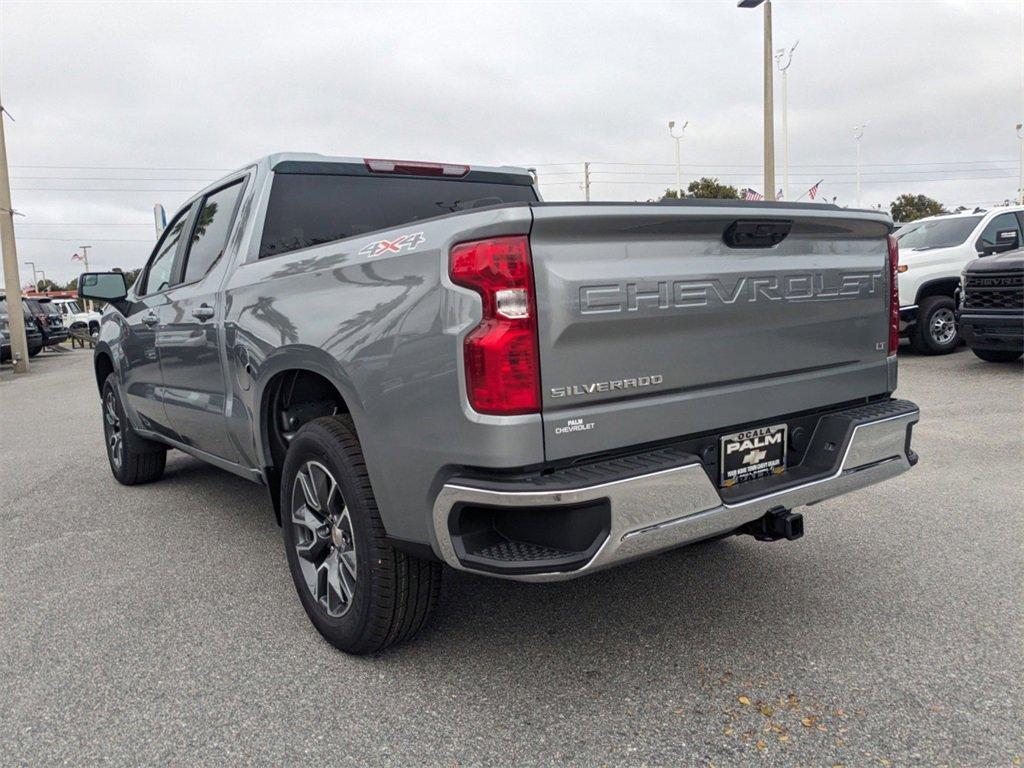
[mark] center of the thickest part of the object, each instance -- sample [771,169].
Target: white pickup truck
[933,253]
[75,318]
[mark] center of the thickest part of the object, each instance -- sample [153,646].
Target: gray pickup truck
[427,365]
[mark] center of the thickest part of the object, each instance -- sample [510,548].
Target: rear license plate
[752,453]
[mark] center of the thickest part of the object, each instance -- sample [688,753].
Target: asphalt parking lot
[158,624]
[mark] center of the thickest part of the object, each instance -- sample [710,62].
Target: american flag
[813,191]
[778,195]
[76,257]
[752,194]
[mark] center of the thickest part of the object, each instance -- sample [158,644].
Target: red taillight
[894,295]
[413,168]
[501,354]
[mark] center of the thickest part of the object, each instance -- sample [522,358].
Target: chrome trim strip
[669,508]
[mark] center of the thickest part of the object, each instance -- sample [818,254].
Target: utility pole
[85,260]
[1020,140]
[858,134]
[785,111]
[679,167]
[35,283]
[769,106]
[586,181]
[12,280]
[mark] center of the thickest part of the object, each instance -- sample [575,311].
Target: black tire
[94,329]
[997,355]
[390,593]
[33,351]
[136,460]
[935,332]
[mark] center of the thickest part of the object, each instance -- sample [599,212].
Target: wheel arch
[316,379]
[943,286]
[103,365]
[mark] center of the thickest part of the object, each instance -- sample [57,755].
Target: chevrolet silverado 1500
[427,365]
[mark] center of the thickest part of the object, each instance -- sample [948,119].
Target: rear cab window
[307,209]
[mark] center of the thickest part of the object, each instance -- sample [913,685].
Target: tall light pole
[679,167]
[12,280]
[1020,140]
[33,265]
[779,54]
[769,108]
[858,134]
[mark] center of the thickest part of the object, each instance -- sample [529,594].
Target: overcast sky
[119,106]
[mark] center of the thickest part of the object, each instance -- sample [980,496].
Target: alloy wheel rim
[943,326]
[115,438]
[324,540]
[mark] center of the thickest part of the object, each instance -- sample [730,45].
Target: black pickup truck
[991,307]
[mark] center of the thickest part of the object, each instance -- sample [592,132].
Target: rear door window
[310,209]
[210,234]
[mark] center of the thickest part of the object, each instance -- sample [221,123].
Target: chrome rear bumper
[672,507]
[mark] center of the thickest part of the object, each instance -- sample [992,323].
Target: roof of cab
[312,163]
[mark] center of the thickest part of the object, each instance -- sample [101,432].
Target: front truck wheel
[360,592]
[935,332]
[997,355]
[133,459]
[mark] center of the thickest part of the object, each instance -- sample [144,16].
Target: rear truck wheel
[33,351]
[997,355]
[935,332]
[360,592]
[133,459]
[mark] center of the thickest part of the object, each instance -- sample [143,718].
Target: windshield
[937,233]
[72,307]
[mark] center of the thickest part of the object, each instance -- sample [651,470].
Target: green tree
[47,285]
[711,188]
[912,207]
[707,188]
[130,275]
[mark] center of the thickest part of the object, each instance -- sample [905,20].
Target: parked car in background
[426,364]
[991,307]
[33,335]
[49,318]
[75,318]
[933,254]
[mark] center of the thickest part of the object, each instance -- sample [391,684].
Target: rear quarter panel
[386,330]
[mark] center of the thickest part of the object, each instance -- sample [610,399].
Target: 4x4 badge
[399,244]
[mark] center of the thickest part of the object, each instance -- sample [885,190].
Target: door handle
[151,319]
[202,312]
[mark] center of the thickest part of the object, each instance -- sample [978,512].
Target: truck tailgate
[652,326]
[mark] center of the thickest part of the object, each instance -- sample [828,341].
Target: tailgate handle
[753,233]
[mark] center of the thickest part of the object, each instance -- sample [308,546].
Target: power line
[94,239]
[91,189]
[108,178]
[827,182]
[814,175]
[78,224]
[805,165]
[122,168]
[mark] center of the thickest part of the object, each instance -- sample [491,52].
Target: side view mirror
[104,286]
[1006,240]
